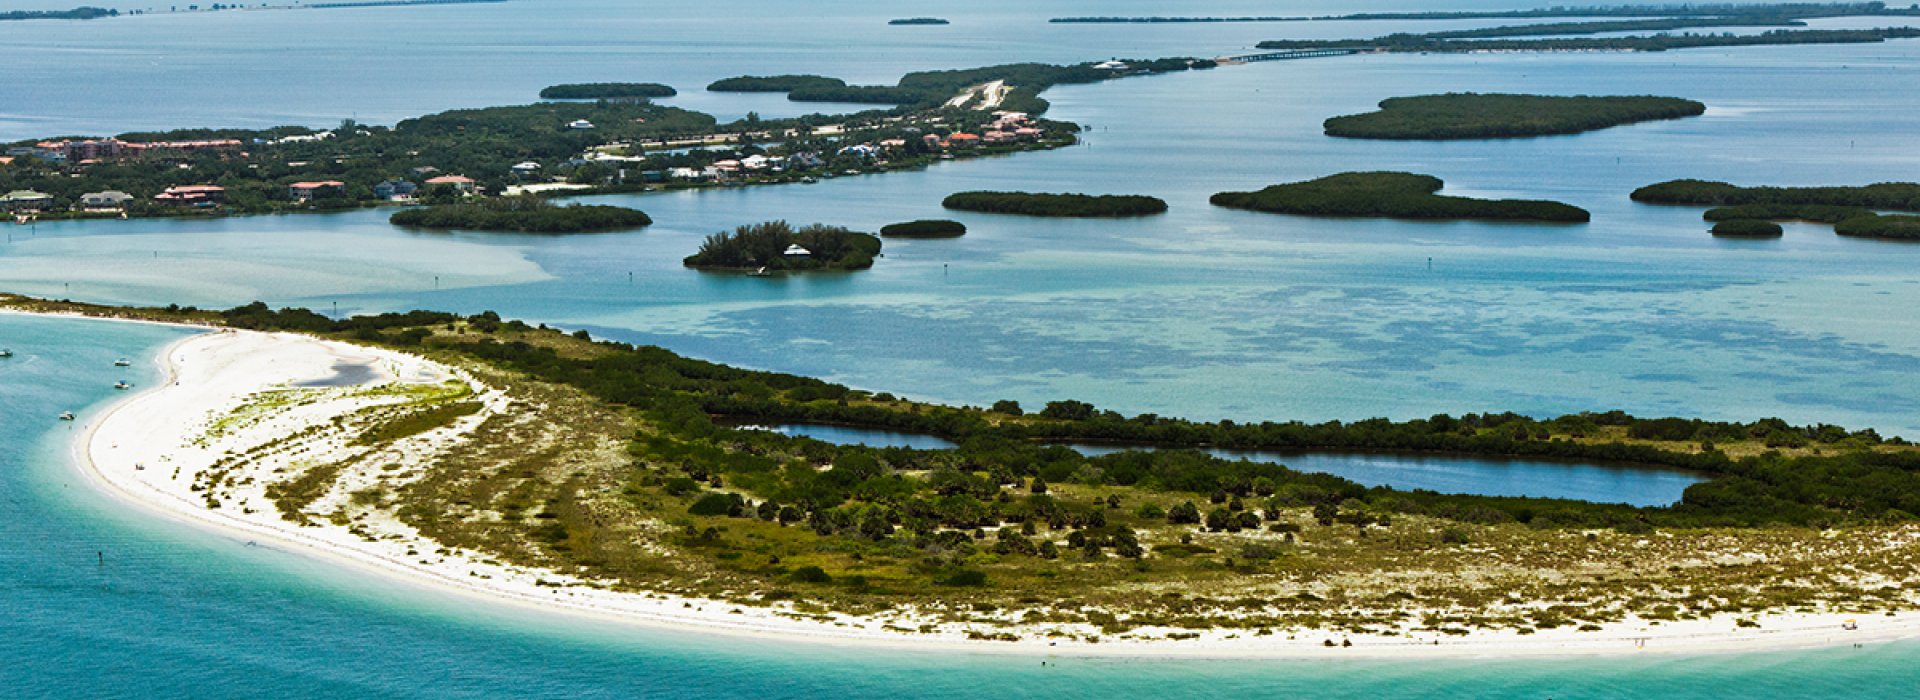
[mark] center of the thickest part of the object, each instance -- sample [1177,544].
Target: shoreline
[268,360]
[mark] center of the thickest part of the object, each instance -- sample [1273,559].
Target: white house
[580,125]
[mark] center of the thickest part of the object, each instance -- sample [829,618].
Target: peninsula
[635,503]
[1391,195]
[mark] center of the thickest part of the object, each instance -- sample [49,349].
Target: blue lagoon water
[1202,312]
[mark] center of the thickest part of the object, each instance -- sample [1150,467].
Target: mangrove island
[521,214]
[1471,115]
[925,228]
[1391,195]
[1064,205]
[776,246]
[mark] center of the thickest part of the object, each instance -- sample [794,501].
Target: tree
[1185,513]
[1009,407]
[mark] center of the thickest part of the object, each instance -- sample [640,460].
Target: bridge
[1291,55]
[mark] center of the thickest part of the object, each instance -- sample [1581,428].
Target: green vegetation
[606,91]
[1700,12]
[1894,227]
[75,13]
[522,214]
[625,480]
[1066,205]
[773,83]
[768,245]
[925,228]
[1393,195]
[1819,213]
[1746,228]
[1849,209]
[917,21]
[417,420]
[931,89]
[1491,116]
[1425,43]
[1886,195]
[1631,25]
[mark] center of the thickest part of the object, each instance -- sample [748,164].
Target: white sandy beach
[152,447]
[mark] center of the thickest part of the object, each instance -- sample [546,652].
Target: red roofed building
[963,139]
[192,195]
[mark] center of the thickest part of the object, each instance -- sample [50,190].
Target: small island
[1746,228]
[1850,209]
[776,246]
[521,214]
[1062,205]
[913,21]
[925,228]
[606,91]
[1470,115]
[1391,195]
[1906,228]
[773,83]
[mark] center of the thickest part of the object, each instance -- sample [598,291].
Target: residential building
[110,199]
[26,201]
[309,190]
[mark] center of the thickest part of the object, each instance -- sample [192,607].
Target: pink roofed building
[309,190]
[192,195]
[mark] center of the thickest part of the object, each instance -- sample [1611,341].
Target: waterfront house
[685,174]
[526,169]
[459,182]
[795,251]
[108,200]
[1110,65]
[26,201]
[1028,132]
[962,138]
[309,190]
[394,189]
[192,195]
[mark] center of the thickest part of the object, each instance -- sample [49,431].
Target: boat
[123,362]
[6,352]
[762,272]
[809,179]
[122,386]
[66,415]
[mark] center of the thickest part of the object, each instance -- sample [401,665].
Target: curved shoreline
[529,589]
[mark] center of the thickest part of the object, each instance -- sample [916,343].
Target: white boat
[123,362]
[66,415]
[122,386]
[6,353]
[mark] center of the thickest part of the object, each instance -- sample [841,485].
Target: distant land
[1776,11]
[917,20]
[100,12]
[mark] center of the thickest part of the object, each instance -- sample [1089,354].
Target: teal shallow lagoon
[1599,483]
